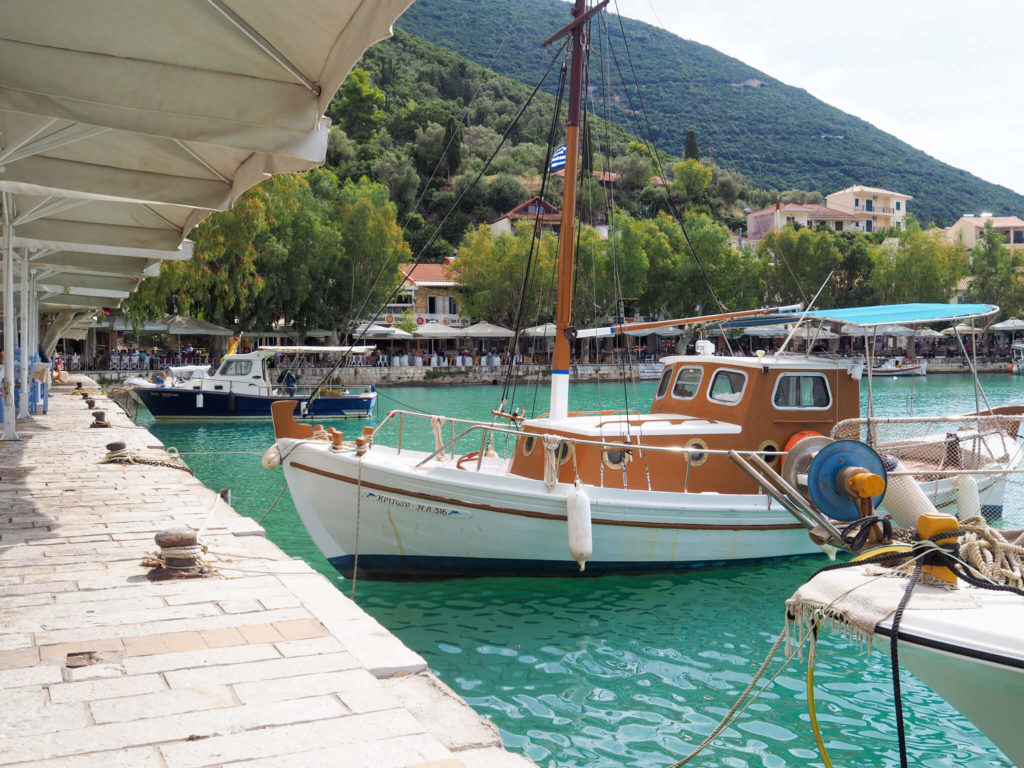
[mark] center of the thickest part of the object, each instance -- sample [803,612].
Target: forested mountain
[779,136]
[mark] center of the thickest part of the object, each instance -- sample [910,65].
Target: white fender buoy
[271,457]
[968,502]
[581,541]
[903,496]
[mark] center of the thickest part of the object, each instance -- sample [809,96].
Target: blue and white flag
[557,159]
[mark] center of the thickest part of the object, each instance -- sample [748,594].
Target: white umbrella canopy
[963,330]
[767,331]
[485,330]
[1010,324]
[435,330]
[547,330]
[181,325]
[374,331]
[928,333]
[886,329]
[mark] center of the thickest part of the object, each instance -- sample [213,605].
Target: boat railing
[486,431]
[941,445]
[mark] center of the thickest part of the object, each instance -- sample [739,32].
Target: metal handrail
[473,426]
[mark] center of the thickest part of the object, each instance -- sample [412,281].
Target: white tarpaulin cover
[123,123]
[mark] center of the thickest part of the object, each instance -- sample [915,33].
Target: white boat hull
[403,521]
[973,659]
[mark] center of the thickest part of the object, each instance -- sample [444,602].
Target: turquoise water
[628,670]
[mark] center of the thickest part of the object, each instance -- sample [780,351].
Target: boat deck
[264,664]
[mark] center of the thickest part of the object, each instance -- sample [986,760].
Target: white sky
[938,74]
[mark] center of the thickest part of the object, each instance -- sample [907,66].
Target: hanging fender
[581,540]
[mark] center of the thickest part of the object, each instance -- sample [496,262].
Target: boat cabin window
[802,390]
[666,377]
[688,382]
[235,368]
[727,387]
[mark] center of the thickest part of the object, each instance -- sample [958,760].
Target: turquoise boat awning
[870,317]
[906,314]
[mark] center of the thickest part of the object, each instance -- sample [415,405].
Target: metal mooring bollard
[179,547]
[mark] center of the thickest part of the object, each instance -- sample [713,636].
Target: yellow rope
[810,700]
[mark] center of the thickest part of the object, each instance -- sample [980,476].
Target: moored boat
[900,367]
[246,384]
[949,607]
[614,490]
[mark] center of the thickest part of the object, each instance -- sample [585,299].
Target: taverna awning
[181,325]
[124,124]
[435,330]
[485,330]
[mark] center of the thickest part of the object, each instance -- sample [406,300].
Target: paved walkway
[266,665]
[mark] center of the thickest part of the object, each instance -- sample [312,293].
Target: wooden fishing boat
[625,491]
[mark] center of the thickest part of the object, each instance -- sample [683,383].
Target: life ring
[796,438]
[419,321]
[447,320]
[466,457]
[389,319]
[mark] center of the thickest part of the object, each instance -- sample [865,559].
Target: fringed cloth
[855,600]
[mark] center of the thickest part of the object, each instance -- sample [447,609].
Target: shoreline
[526,374]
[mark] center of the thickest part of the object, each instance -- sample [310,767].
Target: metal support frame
[10,432]
[26,348]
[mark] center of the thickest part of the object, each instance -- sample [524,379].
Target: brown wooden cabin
[721,403]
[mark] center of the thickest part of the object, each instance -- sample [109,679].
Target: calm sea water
[628,670]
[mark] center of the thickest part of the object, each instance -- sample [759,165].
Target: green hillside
[779,136]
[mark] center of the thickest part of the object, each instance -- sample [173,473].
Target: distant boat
[242,388]
[897,367]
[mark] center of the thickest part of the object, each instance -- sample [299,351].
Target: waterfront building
[430,291]
[967,230]
[774,218]
[871,207]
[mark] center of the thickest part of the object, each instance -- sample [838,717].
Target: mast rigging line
[656,156]
[510,385]
[419,256]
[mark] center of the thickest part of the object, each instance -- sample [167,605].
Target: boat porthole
[616,458]
[564,452]
[699,455]
[528,445]
[770,446]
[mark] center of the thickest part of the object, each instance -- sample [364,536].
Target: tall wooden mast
[560,361]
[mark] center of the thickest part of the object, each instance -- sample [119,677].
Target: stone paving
[265,664]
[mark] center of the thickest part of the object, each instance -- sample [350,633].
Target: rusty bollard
[179,547]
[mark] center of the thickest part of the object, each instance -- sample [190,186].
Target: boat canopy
[905,314]
[874,317]
[363,350]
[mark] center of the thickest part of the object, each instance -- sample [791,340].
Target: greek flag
[557,159]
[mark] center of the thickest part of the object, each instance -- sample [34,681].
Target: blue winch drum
[821,477]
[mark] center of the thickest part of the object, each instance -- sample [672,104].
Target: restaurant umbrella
[435,330]
[963,330]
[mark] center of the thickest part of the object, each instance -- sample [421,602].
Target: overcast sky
[940,75]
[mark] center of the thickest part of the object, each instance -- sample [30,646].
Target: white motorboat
[901,367]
